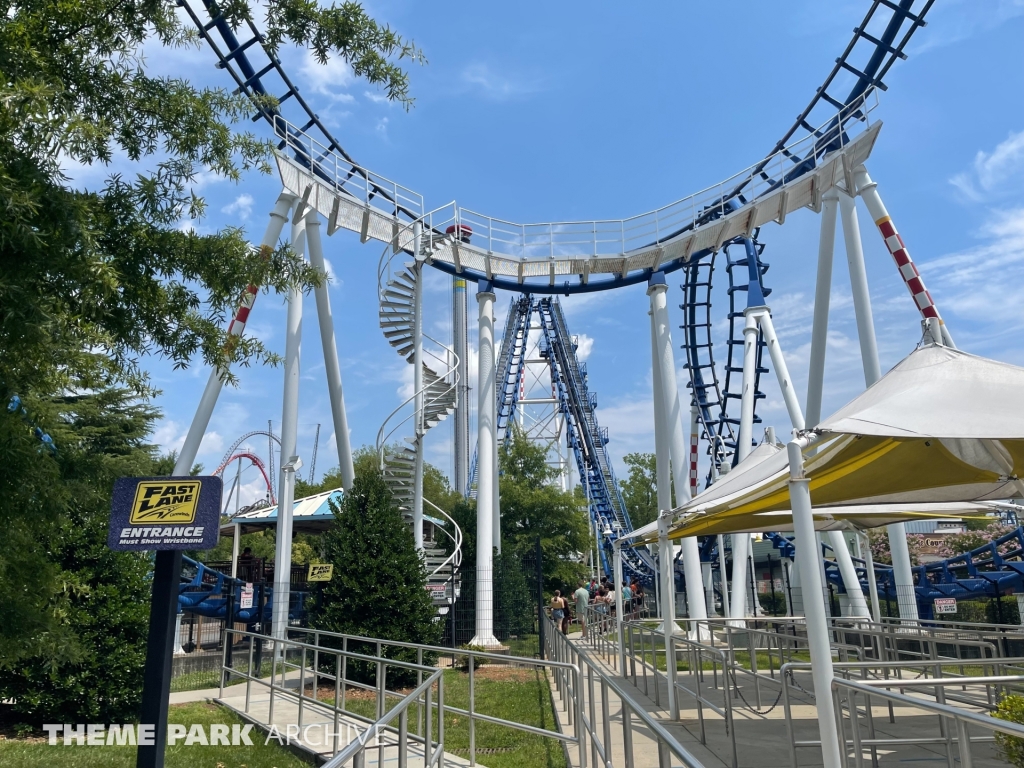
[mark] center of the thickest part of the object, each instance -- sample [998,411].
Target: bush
[462,662]
[88,667]
[378,588]
[1011,709]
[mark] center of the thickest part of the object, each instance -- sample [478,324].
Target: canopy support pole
[486,471]
[868,191]
[901,568]
[620,606]
[672,410]
[869,566]
[808,562]
[858,605]
[822,298]
[723,581]
[332,367]
[741,541]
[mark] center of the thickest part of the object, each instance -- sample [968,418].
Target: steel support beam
[332,366]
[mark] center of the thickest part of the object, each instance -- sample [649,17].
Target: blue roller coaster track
[837,106]
[577,404]
[985,572]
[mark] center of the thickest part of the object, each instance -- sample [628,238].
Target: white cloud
[376,98]
[973,284]
[328,79]
[382,127]
[212,442]
[241,206]
[993,173]
[585,346]
[480,78]
[169,436]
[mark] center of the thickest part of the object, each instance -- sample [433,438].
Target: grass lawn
[519,695]
[36,753]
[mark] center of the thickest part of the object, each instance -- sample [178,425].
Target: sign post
[166,514]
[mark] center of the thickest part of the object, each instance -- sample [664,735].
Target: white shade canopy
[943,426]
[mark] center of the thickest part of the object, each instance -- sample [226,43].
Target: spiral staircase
[396,288]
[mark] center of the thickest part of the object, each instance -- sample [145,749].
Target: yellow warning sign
[320,572]
[159,503]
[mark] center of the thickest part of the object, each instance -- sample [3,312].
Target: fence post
[540,600]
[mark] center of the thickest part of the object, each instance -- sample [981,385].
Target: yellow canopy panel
[825,519]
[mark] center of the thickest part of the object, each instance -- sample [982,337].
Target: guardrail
[470,659]
[598,728]
[848,713]
[545,241]
[285,652]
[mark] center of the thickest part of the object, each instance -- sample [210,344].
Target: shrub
[378,588]
[462,662]
[1011,709]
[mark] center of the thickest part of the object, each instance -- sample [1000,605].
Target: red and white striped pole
[868,190]
[204,411]
[694,444]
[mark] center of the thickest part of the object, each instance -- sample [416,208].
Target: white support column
[902,573]
[486,434]
[289,455]
[741,541]
[709,588]
[417,378]
[332,367]
[859,288]
[662,450]
[796,415]
[864,547]
[496,486]
[695,606]
[822,297]
[201,420]
[817,626]
[858,605]
[235,539]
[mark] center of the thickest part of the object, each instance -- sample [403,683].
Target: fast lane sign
[153,513]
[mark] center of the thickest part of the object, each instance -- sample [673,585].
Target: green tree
[111,268]
[84,663]
[532,507]
[378,588]
[640,489]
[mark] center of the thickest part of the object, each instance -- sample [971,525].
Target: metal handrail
[561,647]
[455,558]
[355,749]
[961,717]
[542,243]
[472,656]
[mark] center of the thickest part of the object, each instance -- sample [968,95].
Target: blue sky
[540,111]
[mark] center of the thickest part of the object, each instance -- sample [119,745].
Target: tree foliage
[640,489]
[94,279]
[532,506]
[378,589]
[75,648]
[112,268]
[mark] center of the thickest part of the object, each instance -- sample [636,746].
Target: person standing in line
[582,596]
[558,610]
